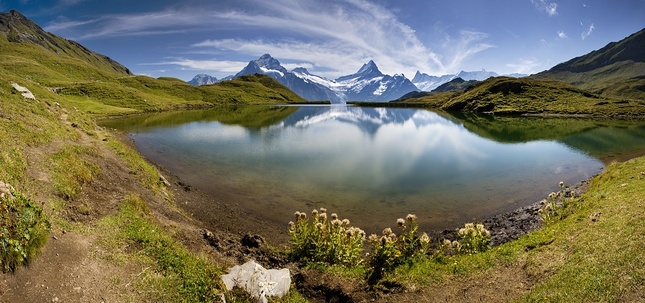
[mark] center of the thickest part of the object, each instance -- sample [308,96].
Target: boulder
[259,282]
[25,92]
[5,190]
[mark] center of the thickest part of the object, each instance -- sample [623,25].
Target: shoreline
[220,218]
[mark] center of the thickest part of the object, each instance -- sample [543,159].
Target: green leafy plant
[327,240]
[474,238]
[390,250]
[23,230]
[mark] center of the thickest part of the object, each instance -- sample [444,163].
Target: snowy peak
[264,65]
[476,75]
[203,79]
[369,70]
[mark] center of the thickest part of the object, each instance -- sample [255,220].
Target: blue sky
[335,37]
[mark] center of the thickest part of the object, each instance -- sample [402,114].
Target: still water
[374,165]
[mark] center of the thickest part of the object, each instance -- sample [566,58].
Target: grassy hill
[505,95]
[618,69]
[66,72]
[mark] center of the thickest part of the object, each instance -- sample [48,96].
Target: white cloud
[525,66]
[206,65]
[562,35]
[334,37]
[587,32]
[550,8]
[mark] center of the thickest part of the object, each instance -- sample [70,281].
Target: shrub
[390,250]
[327,240]
[23,230]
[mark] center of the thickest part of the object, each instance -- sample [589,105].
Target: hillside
[504,95]
[618,69]
[59,69]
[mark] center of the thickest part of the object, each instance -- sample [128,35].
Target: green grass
[177,274]
[71,168]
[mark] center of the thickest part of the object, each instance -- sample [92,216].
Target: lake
[374,165]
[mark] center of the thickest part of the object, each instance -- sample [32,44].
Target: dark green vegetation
[23,230]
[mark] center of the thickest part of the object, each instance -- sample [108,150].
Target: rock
[252,241]
[5,190]
[211,239]
[25,92]
[259,282]
[164,181]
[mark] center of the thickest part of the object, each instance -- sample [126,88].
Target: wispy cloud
[587,32]
[550,8]
[334,37]
[224,66]
[562,35]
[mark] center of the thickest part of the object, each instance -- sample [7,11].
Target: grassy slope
[503,95]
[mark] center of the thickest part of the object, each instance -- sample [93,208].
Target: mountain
[427,82]
[367,84]
[203,79]
[307,86]
[618,69]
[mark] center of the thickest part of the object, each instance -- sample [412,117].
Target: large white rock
[25,92]
[258,281]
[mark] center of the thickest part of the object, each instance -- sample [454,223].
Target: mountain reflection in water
[374,165]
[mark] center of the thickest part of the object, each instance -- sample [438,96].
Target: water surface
[374,165]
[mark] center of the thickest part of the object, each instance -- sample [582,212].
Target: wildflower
[345,222]
[462,231]
[373,238]
[322,216]
[291,225]
[469,225]
[552,196]
[319,226]
[350,232]
[387,231]
[314,213]
[303,216]
[336,222]
[400,222]
[361,233]
[544,201]
[334,216]
[411,218]
[480,227]
[561,184]
[392,236]
[323,210]
[447,242]
[425,239]
[297,215]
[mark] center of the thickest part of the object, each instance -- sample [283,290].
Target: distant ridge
[618,69]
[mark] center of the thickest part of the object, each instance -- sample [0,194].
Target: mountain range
[367,84]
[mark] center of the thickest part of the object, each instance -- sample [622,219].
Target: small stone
[252,241]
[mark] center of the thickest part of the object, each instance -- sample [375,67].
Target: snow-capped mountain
[368,84]
[203,79]
[300,81]
[428,83]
